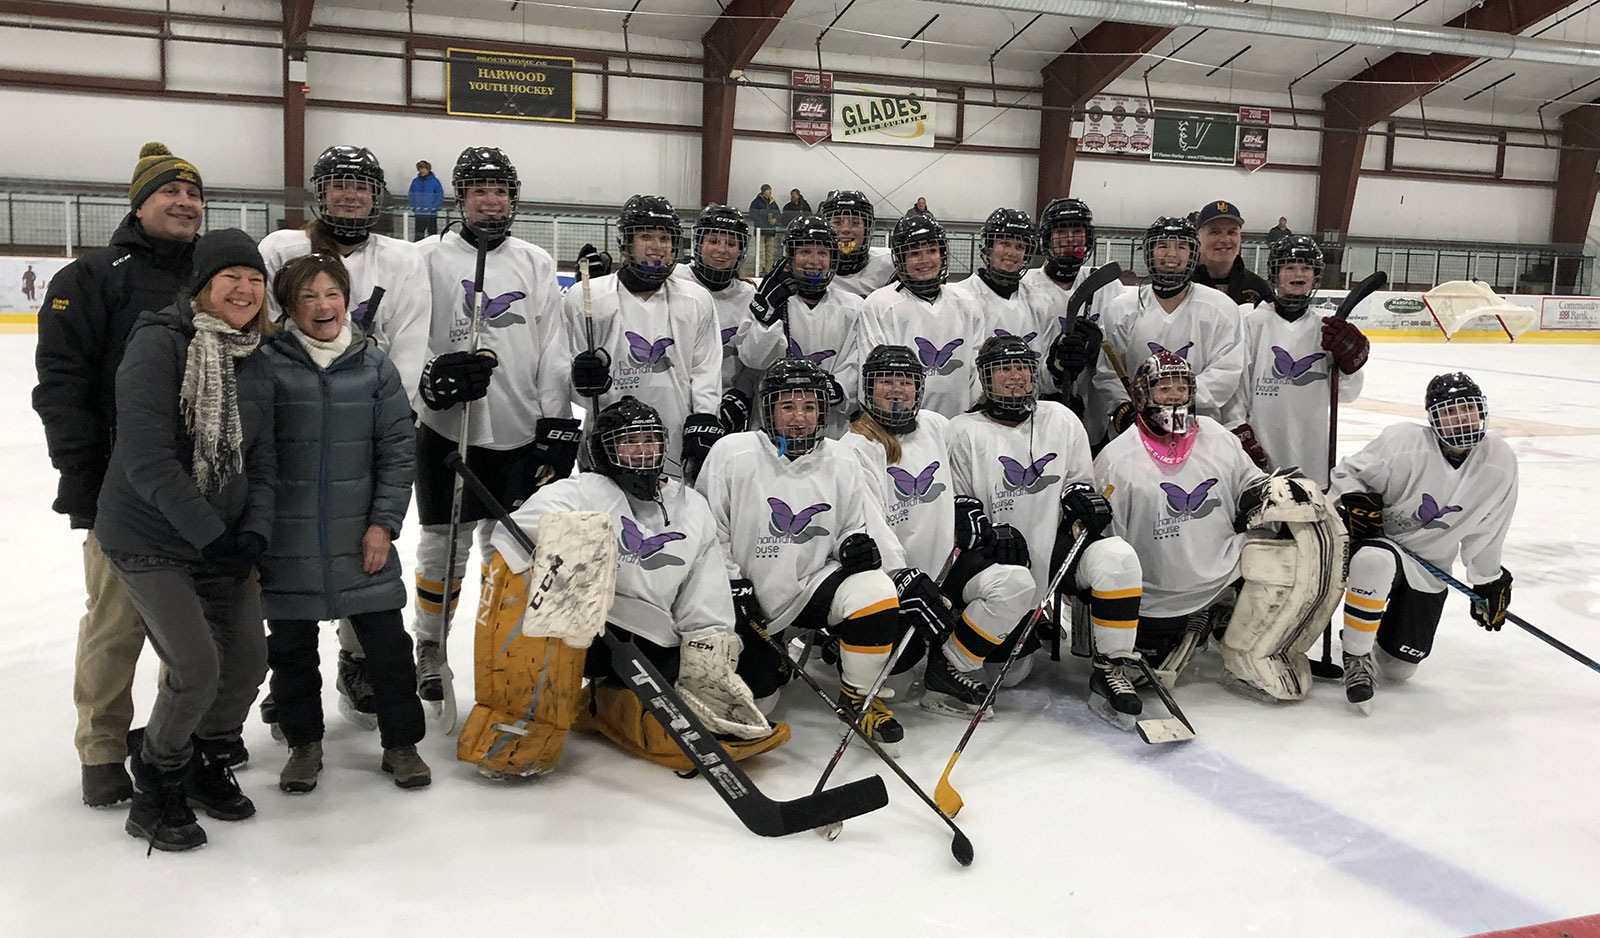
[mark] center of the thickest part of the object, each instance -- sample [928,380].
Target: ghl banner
[810,106]
[1253,133]
[883,114]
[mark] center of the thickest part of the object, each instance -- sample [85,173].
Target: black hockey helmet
[998,352]
[1457,411]
[841,203]
[893,361]
[1170,281]
[1064,215]
[1295,249]
[790,376]
[628,445]
[911,232]
[727,220]
[811,229]
[345,165]
[648,213]
[1009,223]
[477,166]
[1162,420]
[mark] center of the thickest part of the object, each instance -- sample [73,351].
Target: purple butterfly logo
[1027,477]
[650,353]
[1286,365]
[1027,338]
[495,306]
[786,520]
[1188,503]
[1431,512]
[913,486]
[635,543]
[937,360]
[816,358]
[729,333]
[1182,353]
[359,315]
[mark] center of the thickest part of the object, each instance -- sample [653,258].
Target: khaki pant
[110,638]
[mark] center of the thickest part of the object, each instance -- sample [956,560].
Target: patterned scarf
[209,399]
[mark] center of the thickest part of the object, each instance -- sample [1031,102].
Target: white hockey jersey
[1432,508]
[824,333]
[670,563]
[404,313]
[1179,519]
[1018,473]
[916,495]
[945,334]
[879,271]
[1003,315]
[1284,394]
[665,350]
[1049,300]
[1204,329]
[732,304]
[780,519]
[521,303]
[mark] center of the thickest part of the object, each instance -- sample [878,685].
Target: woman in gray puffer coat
[346,460]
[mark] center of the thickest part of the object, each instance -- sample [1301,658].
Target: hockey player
[942,326]
[650,335]
[521,433]
[1009,242]
[791,511]
[800,312]
[908,475]
[663,570]
[1196,323]
[1289,354]
[1443,489]
[862,266]
[721,237]
[1028,461]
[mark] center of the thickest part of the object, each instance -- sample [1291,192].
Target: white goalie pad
[710,684]
[1292,585]
[574,578]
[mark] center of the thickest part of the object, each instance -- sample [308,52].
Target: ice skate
[950,691]
[1111,693]
[1359,681]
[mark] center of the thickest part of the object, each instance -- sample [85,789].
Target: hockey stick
[1101,276]
[960,846]
[1116,365]
[1174,730]
[948,799]
[760,814]
[1483,607]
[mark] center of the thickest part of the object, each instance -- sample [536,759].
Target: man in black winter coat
[84,321]
[1220,224]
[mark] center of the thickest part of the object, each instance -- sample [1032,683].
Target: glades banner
[888,115]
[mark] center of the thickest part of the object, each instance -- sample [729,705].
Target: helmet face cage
[649,213]
[793,379]
[809,229]
[911,233]
[1457,411]
[852,204]
[892,361]
[1296,249]
[486,167]
[1163,419]
[1003,353]
[1062,215]
[1165,231]
[339,169]
[629,446]
[1009,223]
[721,219]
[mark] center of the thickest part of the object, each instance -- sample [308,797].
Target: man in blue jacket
[427,195]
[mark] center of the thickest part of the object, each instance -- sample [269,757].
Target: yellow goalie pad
[620,717]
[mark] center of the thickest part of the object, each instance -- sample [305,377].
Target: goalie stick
[762,815]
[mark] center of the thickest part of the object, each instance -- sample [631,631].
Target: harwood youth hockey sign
[507,85]
[882,114]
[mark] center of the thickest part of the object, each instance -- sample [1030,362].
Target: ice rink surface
[1466,802]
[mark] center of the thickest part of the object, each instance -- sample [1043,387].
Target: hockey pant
[432,547]
[994,598]
[862,610]
[1382,608]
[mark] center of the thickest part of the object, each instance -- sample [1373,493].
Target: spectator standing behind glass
[427,197]
[184,515]
[1220,264]
[921,208]
[346,460]
[764,218]
[1279,231]
[795,207]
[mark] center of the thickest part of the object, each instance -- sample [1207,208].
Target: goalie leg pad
[620,717]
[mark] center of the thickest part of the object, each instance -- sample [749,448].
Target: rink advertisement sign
[509,86]
[1569,313]
[889,115]
[1115,123]
[810,105]
[1253,131]
[23,282]
[1195,137]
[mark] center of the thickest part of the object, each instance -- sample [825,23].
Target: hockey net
[1458,303]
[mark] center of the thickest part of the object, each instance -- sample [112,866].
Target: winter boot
[211,786]
[951,691]
[878,722]
[430,661]
[299,774]
[269,716]
[1359,681]
[160,813]
[407,767]
[231,753]
[356,699]
[1111,693]
[106,785]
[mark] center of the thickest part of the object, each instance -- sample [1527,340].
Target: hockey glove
[708,681]
[1362,513]
[1491,613]
[1346,343]
[746,608]
[835,392]
[1073,351]
[591,372]
[700,433]
[973,530]
[858,553]
[924,606]
[734,411]
[1255,495]
[1252,446]
[1121,418]
[772,297]
[1009,546]
[555,447]
[598,261]
[456,377]
[1082,503]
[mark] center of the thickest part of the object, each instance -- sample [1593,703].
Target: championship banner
[1253,133]
[1117,123]
[882,114]
[23,282]
[810,105]
[509,86]
[1195,137]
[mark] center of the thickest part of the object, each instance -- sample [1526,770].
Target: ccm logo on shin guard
[1408,650]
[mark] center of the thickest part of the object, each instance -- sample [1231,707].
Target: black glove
[1346,343]
[858,553]
[734,411]
[1082,502]
[772,297]
[835,391]
[1121,418]
[1496,596]
[555,447]
[973,530]
[591,372]
[77,495]
[235,555]
[700,431]
[598,262]
[924,606]
[1362,513]
[456,377]
[1252,446]
[1073,351]
[746,608]
[1009,546]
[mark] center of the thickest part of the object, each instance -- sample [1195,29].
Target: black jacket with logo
[1241,285]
